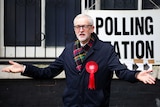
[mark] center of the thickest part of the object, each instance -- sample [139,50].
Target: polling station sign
[135,34]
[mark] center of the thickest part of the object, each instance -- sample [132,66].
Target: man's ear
[92,29]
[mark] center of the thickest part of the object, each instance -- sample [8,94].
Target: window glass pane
[22,23]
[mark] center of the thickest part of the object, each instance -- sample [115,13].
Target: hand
[145,77]
[14,67]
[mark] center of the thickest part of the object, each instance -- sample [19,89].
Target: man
[88,64]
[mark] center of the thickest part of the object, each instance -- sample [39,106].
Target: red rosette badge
[91,68]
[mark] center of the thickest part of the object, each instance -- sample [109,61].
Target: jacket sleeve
[49,72]
[121,70]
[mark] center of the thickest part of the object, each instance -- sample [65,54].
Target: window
[22,23]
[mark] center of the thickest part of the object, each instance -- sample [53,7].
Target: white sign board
[134,34]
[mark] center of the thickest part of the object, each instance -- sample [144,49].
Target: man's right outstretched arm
[29,70]
[14,67]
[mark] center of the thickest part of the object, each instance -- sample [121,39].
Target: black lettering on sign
[124,27]
[116,47]
[109,26]
[139,49]
[99,24]
[149,26]
[138,26]
[149,49]
[125,48]
[116,27]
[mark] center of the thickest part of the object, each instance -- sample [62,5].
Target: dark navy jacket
[76,93]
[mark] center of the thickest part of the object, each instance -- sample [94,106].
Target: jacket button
[79,73]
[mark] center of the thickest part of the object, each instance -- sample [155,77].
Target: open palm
[14,67]
[145,77]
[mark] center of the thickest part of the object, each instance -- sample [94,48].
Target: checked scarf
[80,52]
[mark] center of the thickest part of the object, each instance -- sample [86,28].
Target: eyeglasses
[78,27]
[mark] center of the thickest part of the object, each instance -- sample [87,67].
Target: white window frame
[28,51]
